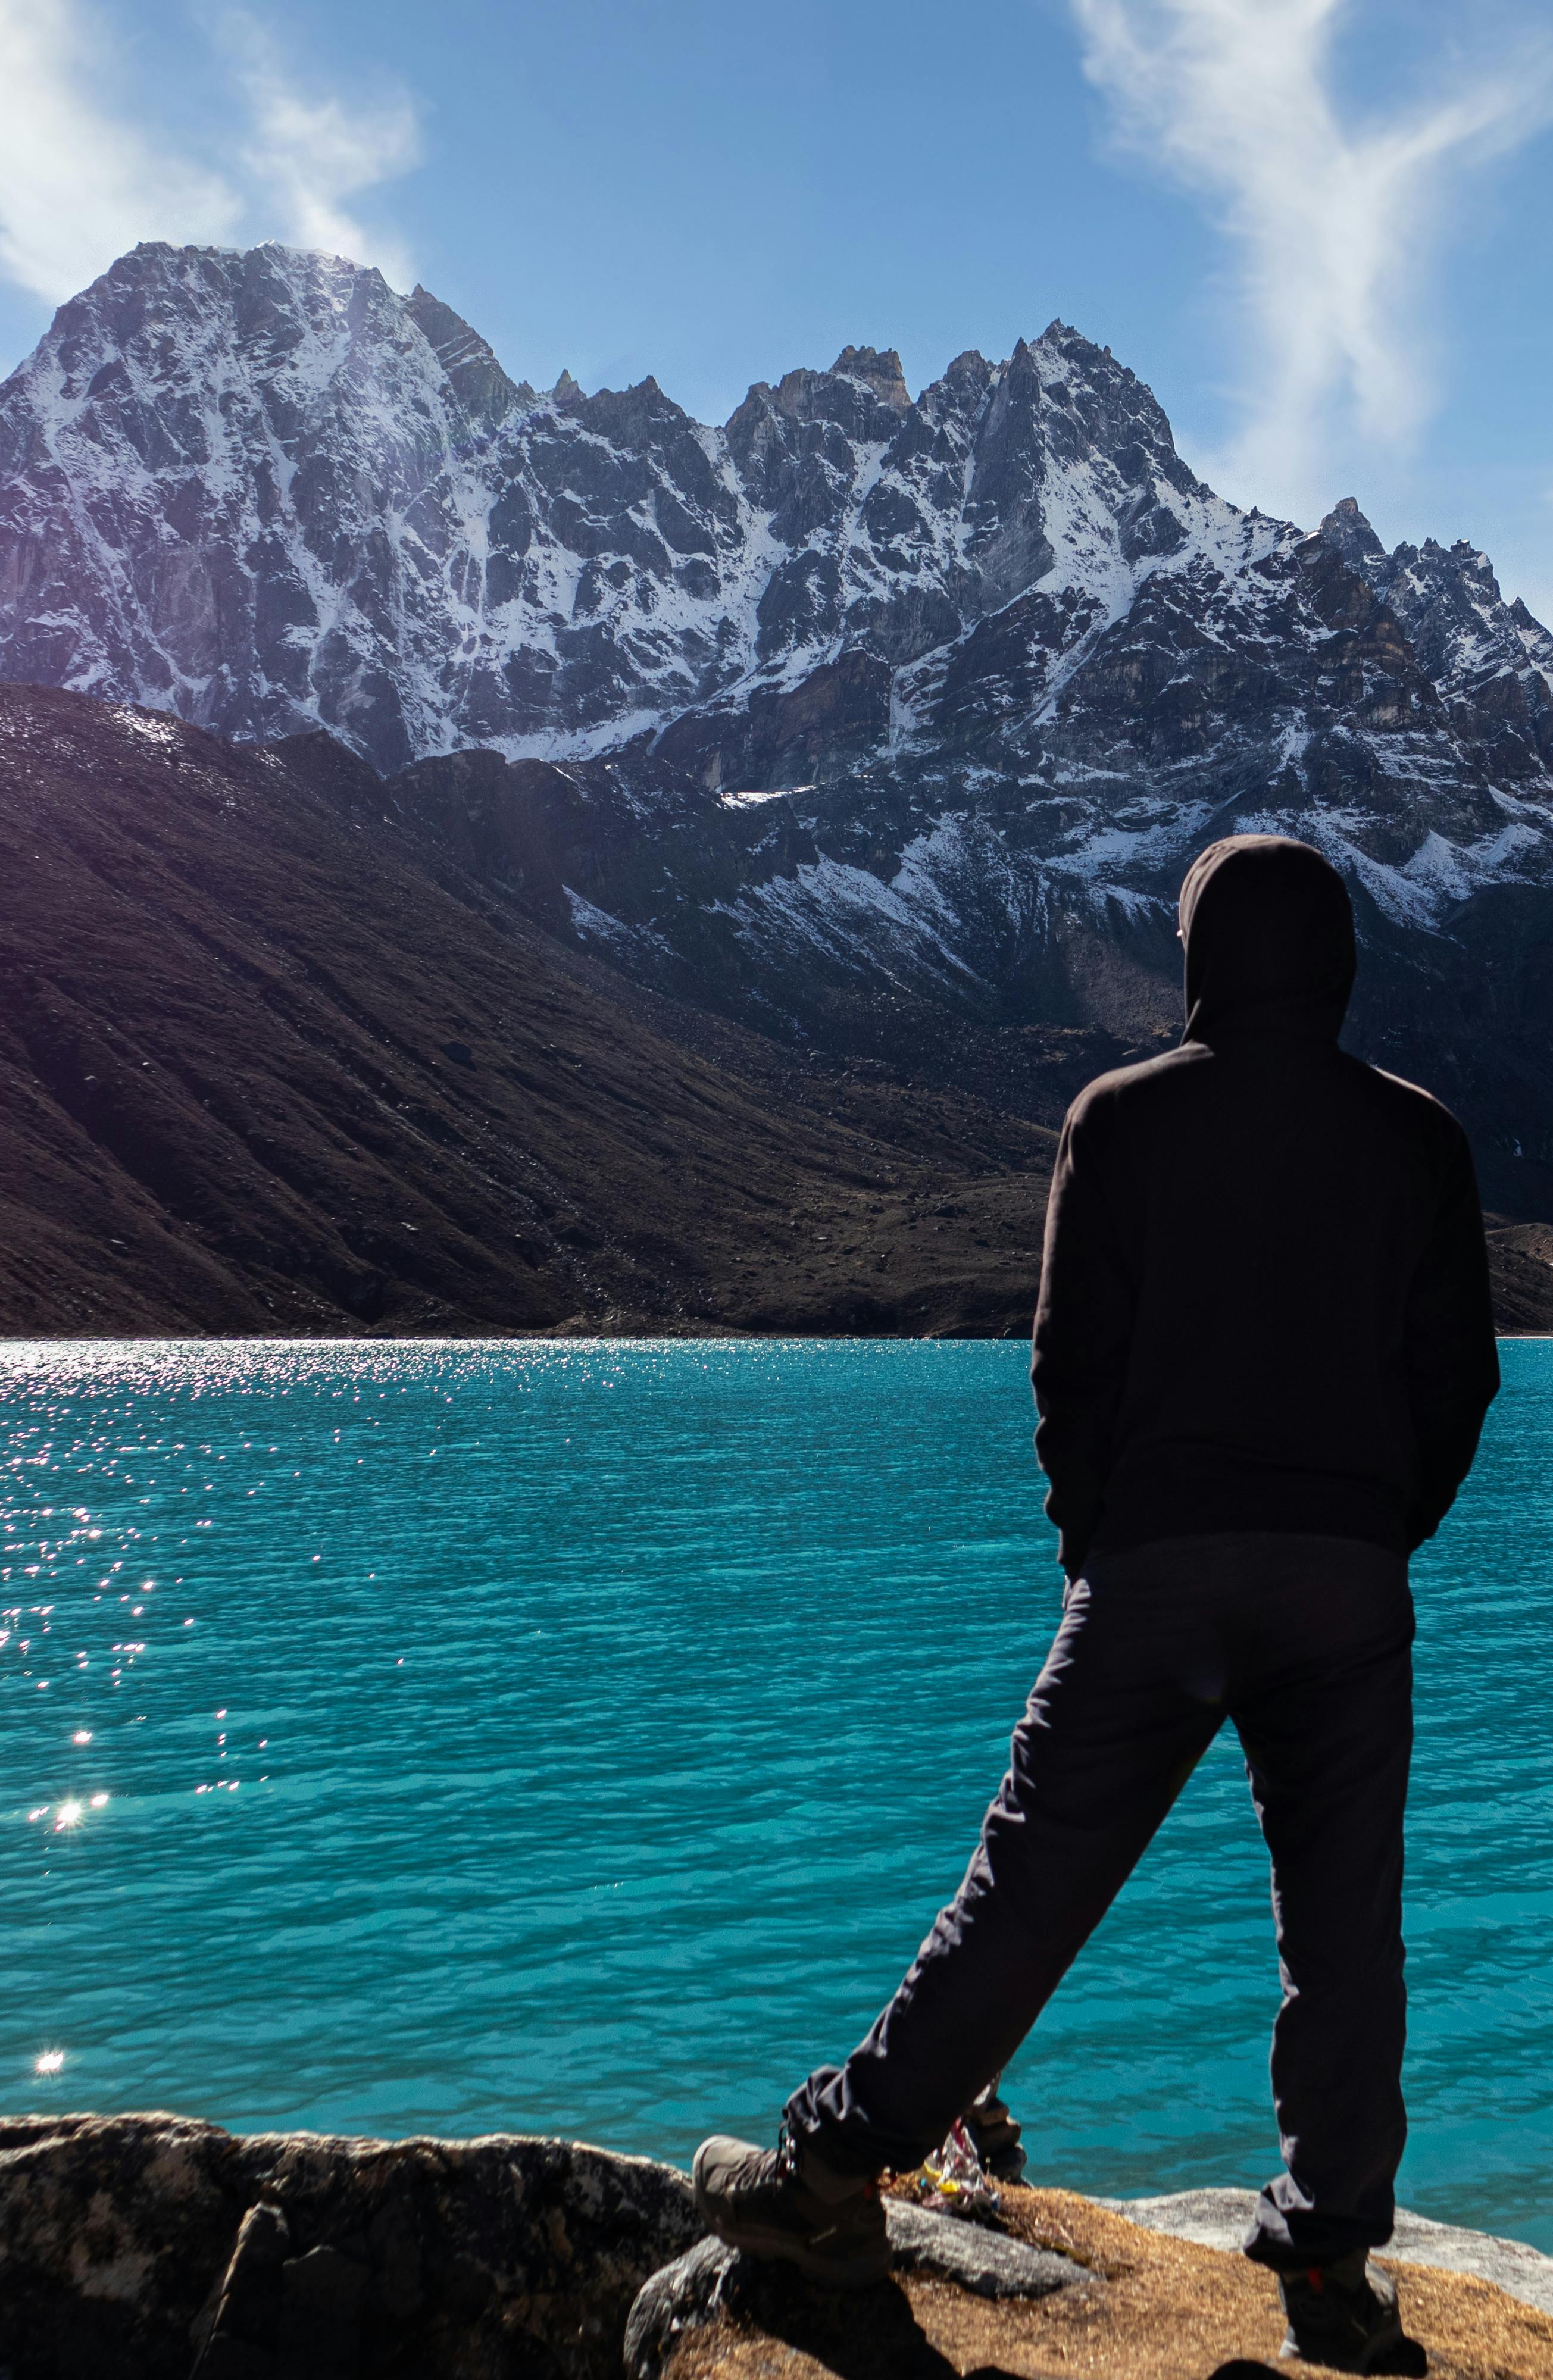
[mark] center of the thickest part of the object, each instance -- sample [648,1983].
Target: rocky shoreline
[154,2247]
[1219,2219]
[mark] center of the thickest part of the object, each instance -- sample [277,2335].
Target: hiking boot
[996,2134]
[785,2203]
[1343,2314]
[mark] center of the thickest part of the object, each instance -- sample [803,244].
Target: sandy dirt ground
[1167,2310]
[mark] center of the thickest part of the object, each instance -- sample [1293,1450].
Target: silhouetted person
[1264,1348]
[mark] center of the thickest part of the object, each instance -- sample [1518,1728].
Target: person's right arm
[1083,1333]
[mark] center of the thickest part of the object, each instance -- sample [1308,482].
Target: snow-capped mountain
[264,490]
[857,698]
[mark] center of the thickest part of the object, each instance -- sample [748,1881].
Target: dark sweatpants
[1305,1643]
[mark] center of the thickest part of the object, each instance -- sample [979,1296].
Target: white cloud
[308,154]
[83,177]
[1334,222]
[78,184]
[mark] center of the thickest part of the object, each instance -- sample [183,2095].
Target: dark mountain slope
[260,1072]
[850,920]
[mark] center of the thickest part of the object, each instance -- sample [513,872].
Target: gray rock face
[988,2263]
[134,2247]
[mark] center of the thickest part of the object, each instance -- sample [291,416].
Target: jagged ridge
[268,492]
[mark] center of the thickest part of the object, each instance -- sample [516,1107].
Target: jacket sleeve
[1082,1334]
[1452,1360]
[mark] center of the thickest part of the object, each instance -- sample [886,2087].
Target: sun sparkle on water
[615,1782]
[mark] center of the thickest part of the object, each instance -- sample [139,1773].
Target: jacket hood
[1269,930]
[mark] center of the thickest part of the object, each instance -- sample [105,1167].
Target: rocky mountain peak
[482,387]
[1015,574]
[879,369]
[638,415]
[1346,531]
[969,373]
[862,401]
[1534,637]
[1102,405]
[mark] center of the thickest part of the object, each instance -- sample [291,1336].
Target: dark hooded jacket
[1264,1302]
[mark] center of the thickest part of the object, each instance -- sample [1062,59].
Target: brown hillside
[260,1072]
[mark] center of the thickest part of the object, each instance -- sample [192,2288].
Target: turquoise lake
[579,1738]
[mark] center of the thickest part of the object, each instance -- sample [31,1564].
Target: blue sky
[1321,229]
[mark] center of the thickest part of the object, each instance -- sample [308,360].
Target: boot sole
[773,2246]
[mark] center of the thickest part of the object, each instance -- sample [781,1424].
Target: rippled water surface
[579,1738]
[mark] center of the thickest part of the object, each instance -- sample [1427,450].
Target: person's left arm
[1083,1333]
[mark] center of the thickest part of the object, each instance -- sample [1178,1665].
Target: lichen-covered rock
[148,2247]
[685,2296]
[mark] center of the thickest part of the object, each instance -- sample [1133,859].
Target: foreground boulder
[147,2247]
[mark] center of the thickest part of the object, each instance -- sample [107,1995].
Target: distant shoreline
[703,1335]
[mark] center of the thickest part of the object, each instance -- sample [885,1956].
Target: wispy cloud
[78,184]
[1335,221]
[83,177]
[309,152]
